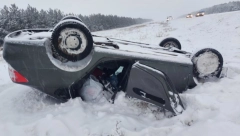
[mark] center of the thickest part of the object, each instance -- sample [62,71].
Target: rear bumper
[30,59]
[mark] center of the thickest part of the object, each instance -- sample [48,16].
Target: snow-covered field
[212,108]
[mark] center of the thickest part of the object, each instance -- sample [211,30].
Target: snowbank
[211,107]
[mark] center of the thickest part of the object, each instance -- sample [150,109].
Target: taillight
[16,76]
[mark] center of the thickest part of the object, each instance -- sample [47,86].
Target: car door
[153,86]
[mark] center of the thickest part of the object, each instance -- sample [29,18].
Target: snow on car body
[150,73]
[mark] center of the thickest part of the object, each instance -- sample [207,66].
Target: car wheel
[207,63]
[71,17]
[71,40]
[170,42]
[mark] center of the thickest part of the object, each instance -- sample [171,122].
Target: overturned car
[61,60]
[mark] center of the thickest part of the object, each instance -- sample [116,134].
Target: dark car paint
[153,86]
[31,60]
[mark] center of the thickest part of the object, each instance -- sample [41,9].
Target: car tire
[171,42]
[207,63]
[71,40]
[71,17]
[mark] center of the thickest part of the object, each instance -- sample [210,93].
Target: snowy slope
[211,107]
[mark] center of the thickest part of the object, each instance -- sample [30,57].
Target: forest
[225,7]
[13,18]
[220,8]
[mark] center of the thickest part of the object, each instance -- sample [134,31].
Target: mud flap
[153,86]
[224,72]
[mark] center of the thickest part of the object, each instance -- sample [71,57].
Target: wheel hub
[72,41]
[207,63]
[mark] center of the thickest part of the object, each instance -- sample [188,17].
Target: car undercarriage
[61,61]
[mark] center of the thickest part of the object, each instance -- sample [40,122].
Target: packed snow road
[211,107]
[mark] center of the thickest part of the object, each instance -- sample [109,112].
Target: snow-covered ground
[212,108]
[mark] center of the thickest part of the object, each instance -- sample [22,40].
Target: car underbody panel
[152,77]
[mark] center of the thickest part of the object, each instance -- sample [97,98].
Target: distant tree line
[13,18]
[220,8]
[225,7]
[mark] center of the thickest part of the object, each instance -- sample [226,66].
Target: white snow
[33,36]
[211,107]
[207,63]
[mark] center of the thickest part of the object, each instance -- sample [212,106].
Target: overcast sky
[152,9]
